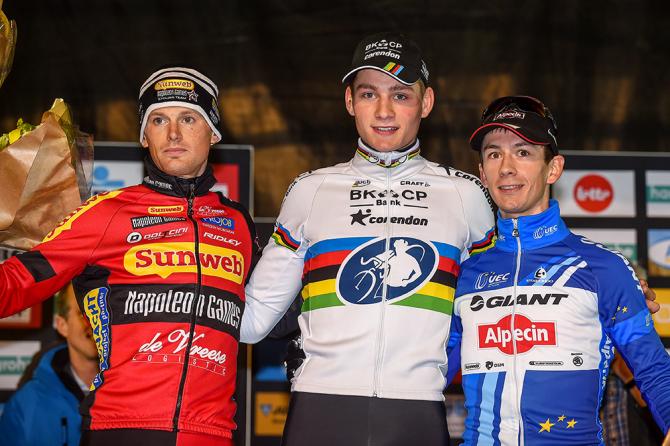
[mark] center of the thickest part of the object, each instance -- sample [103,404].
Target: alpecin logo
[404,267]
[527,334]
[164,259]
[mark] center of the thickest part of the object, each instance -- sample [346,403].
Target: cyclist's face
[387,112]
[516,173]
[178,140]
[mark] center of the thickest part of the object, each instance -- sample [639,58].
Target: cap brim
[347,76]
[478,135]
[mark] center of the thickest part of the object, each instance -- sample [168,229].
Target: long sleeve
[277,278]
[33,276]
[628,323]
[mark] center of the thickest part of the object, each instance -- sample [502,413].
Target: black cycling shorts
[146,437]
[342,420]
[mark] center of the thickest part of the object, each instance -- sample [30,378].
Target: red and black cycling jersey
[159,270]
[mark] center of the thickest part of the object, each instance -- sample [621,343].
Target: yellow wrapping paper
[40,185]
[7,44]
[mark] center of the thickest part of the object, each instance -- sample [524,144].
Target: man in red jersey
[159,270]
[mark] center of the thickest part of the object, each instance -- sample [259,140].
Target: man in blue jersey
[538,316]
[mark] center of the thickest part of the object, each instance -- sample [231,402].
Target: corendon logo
[593,193]
[527,334]
[164,259]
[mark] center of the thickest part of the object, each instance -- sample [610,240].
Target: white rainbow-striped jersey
[374,247]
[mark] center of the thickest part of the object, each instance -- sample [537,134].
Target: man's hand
[650,295]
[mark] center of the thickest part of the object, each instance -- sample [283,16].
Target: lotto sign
[596,193]
[622,240]
[658,193]
[662,317]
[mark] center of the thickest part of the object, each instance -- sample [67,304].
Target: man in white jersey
[374,247]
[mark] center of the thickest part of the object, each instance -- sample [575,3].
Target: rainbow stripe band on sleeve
[324,259]
[282,237]
[484,244]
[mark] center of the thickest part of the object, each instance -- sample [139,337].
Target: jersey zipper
[382,305]
[194,306]
[517,403]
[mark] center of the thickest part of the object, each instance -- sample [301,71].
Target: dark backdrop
[602,66]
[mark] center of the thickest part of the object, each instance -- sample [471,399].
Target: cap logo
[180,84]
[509,115]
[382,45]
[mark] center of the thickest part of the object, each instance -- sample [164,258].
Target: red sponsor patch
[593,193]
[527,334]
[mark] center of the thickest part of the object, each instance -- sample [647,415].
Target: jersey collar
[166,184]
[380,165]
[535,231]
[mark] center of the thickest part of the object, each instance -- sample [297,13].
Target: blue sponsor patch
[404,267]
[221,222]
[95,307]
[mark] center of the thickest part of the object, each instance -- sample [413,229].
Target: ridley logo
[593,193]
[164,259]
[527,334]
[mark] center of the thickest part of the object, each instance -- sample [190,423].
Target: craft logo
[404,267]
[158,210]
[593,193]
[526,335]
[490,279]
[168,84]
[95,308]
[164,259]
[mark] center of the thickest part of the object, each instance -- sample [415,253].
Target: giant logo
[526,334]
[593,193]
[403,266]
[164,259]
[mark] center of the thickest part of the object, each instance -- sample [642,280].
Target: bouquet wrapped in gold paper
[46,173]
[7,44]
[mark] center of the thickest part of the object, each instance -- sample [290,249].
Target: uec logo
[404,267]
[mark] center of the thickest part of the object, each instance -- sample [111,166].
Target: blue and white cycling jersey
[537,318]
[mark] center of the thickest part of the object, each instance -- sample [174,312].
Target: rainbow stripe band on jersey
[324,260]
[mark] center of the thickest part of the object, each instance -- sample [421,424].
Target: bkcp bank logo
[404,267]
[593,193]
[164,259]
[527,334]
